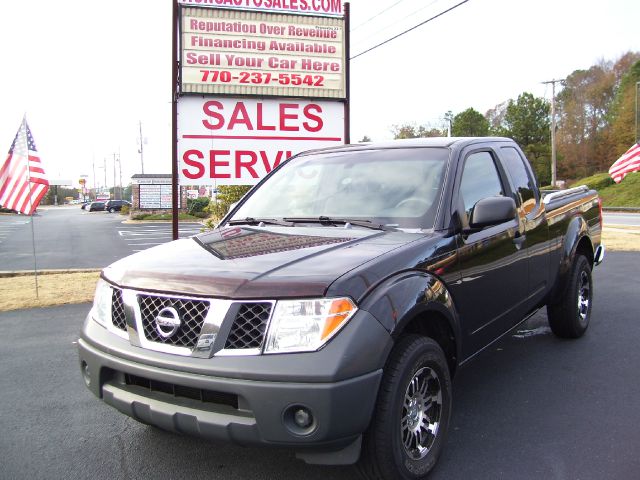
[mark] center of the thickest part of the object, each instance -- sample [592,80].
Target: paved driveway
[68,237]
[531,407]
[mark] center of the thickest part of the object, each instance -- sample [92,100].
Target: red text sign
[237,141]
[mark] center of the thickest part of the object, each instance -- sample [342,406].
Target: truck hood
[255,262]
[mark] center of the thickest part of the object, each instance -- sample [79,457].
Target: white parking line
[138,244]
[144,237]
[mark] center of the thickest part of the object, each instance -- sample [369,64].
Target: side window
[480,179]
[522,181]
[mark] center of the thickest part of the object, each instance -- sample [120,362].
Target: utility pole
[553,129]
[115,197]
[141,147]
[105,173]
[120,172]
[448,117]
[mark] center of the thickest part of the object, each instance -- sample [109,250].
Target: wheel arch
[576,242]
[419,303]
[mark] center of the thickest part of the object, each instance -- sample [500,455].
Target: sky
[86,73]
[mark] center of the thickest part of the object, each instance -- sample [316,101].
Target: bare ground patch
[621,237]
[18,292]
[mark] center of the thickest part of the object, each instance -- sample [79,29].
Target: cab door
[493,282]
[533,218]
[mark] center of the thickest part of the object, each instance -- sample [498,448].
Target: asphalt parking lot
[68,237]
[531,407]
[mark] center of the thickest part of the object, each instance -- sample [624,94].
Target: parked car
[115,205]
[330,310]
[84,205]
[95,207]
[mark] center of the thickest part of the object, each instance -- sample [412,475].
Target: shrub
[599,181]
[196,205]
[227,195]
[124,210]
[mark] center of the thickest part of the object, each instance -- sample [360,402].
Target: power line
[376,15]
[409,30]
[395,23]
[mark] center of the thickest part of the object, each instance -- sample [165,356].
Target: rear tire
[569,318]
[112,210]
[410,422]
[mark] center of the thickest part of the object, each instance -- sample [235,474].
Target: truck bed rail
[558,194]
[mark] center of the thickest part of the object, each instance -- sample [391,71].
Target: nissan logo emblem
[168,322]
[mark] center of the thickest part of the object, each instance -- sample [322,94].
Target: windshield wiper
[258,221]
[332,221]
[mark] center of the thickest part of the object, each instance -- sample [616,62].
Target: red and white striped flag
[23,181]
[627,163]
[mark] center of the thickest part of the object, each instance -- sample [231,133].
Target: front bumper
[244,400]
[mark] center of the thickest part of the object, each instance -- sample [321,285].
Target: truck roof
[446,142]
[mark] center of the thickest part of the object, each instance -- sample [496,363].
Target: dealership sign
[257,82]
[299,7]
[248,53]
[237,141]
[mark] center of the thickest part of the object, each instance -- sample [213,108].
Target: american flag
[23,181]
[627,163]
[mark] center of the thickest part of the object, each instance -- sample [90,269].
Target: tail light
[600,210]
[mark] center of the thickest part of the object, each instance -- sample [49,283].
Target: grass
[621,238]
[623,194]
[18,292]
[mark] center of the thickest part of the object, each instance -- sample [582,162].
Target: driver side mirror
[492,211]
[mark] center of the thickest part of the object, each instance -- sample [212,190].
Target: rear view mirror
[492,211]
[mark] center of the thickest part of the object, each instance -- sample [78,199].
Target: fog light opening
[86,373]
[302,417]
[299,420]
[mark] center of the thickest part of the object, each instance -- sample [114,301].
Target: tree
[127,192]
[586,108]
[470,123]
[60,192]
[410,130]
[623,121]
[226,196]
[495,117]
[527,121]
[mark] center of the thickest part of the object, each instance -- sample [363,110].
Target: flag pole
[35,261]
[33,235]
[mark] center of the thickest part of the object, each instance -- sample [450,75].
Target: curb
[621,209]
[25,273]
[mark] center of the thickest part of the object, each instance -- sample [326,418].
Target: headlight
[306,325]
[101,310]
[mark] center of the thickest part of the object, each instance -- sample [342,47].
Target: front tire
[412,413]
[569,318]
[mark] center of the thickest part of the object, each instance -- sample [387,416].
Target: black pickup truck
[331,308]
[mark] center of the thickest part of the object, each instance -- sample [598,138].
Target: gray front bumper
[342,407]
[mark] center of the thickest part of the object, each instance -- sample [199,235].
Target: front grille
[249,326]
[117,310]
[192,314]
[207,396]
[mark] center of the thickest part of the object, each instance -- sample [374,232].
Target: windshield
[395,187]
